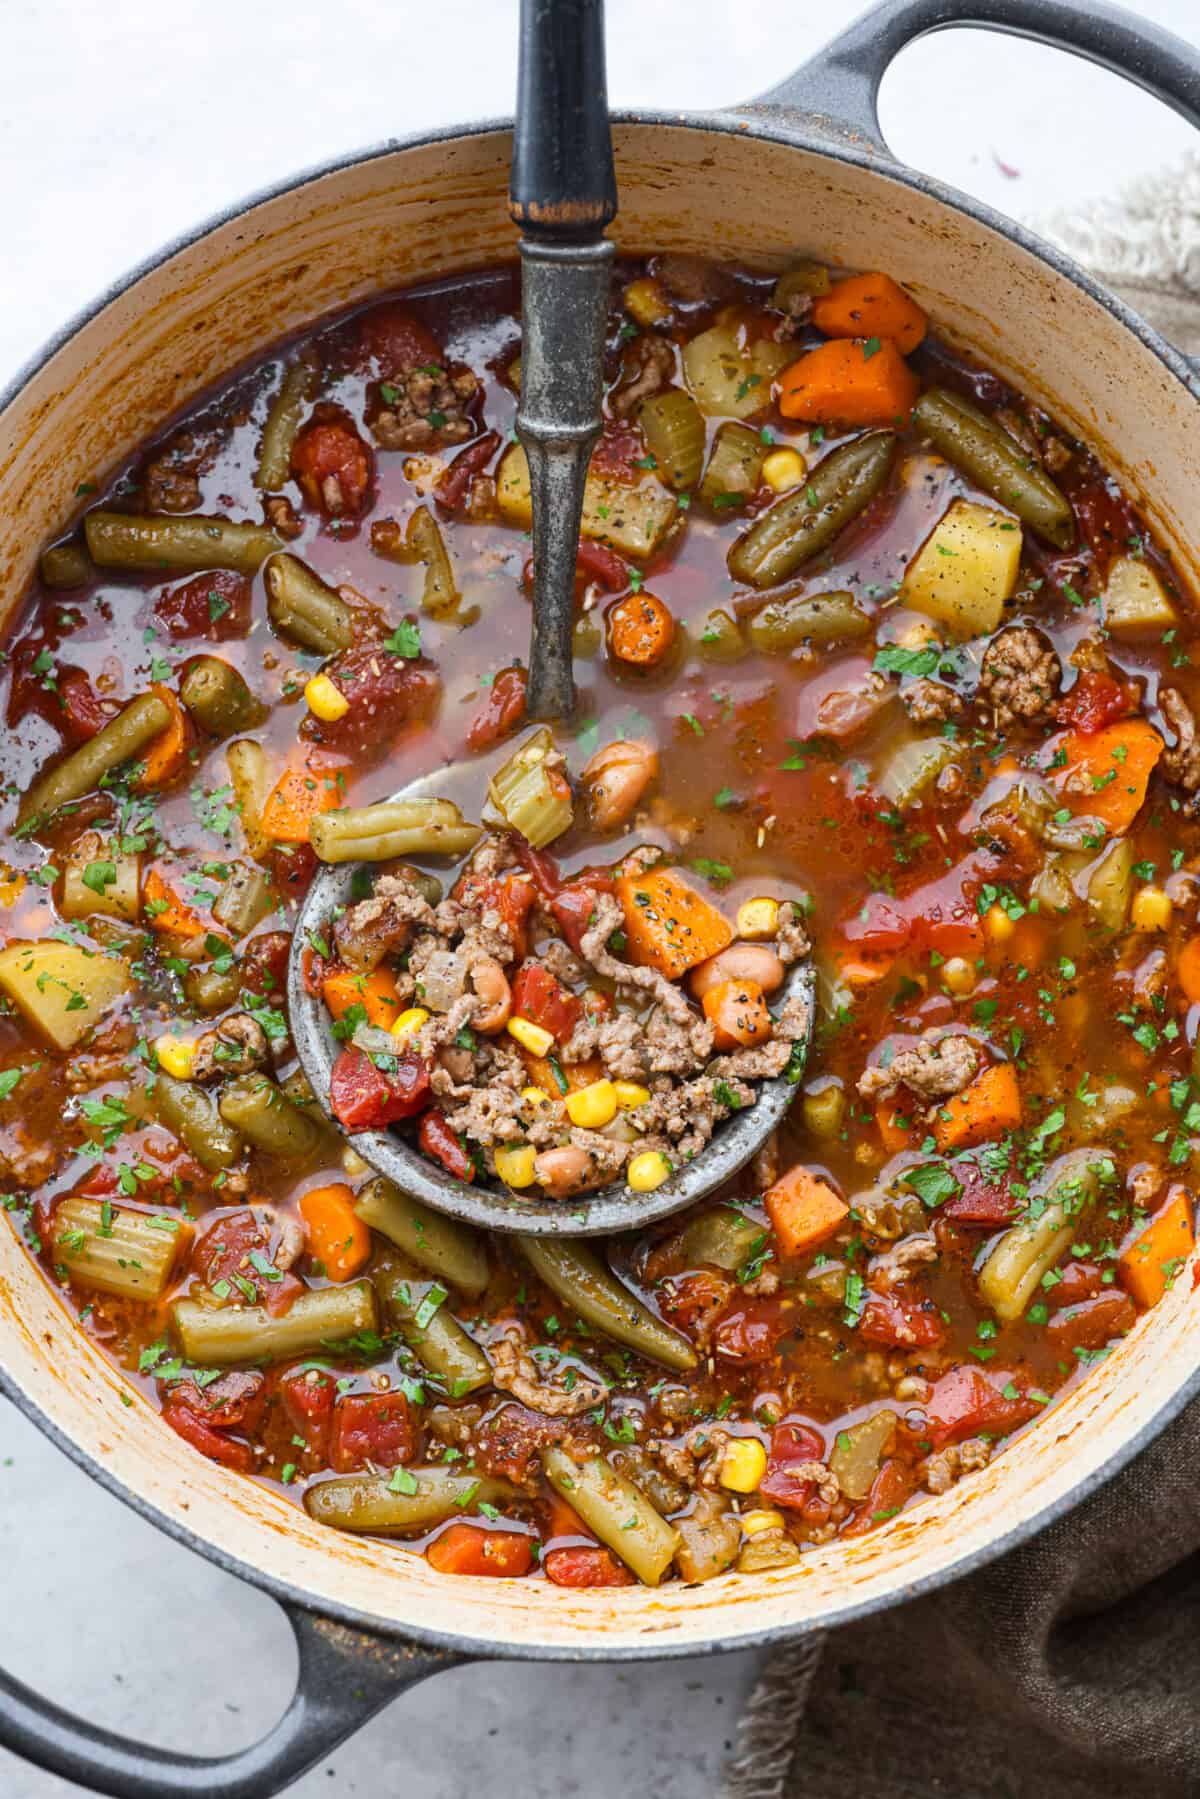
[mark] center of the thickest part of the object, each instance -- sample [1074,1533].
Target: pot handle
[345,1677]
[838,89]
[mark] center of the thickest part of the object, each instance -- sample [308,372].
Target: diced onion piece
[914,767]
[966,569]
[730,379]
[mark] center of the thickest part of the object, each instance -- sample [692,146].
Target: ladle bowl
[487,1203]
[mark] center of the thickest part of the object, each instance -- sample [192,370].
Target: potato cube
[966,569]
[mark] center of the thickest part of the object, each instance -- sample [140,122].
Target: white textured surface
[120,125]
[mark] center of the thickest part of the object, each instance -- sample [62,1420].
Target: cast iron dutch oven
[803,169]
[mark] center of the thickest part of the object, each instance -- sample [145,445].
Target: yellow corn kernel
[533,1096]
[648,1171]
[743,1465]
[531,1036]
[958,974]
[1151,909]
[175,1057]
[12,885]
[998,925]
[754,1523]
[410,1022]
[629,1094]
[593,1106]
[783,469]
[353,1164]
[646,301]
[324,700]
[514,1165]
[758,918]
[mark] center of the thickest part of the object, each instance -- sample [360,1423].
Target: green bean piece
[296,1089]
[318,1318]
[141,721]
[996,462]
[440,1245]
[724,1238]
[190,544]
[304,610]
[392,828]
[673,427]
[209,992]
[721,637]
[283,425]
[619,1513]
[191,1114]
[811,278]
[575,1274]
[807,520]
[65,565]
[817,618]
[244,900]
[218,698]
[1029,1249]
[374,1503]
[734,469]
[421,1314]
[257,1106]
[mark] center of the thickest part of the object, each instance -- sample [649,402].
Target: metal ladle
[562,194]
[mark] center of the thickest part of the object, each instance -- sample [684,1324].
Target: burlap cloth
[1072,1666]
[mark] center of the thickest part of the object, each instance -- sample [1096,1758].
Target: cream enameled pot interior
[406,216]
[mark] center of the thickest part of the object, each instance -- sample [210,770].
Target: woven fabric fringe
[767,1732]
[1146,244]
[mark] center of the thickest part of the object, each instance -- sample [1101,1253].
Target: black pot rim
[773,126]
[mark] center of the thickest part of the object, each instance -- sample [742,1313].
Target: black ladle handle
[562,194]
[562,183]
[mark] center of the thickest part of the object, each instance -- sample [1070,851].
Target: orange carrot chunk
[871,306]
[165,911]
[641,629]
[738,1013]
[990,1106]
[1151,1262]
[668,925]
[849,382]
[895,1126]
[1187,970]
[803,1210]
[337,1236]
[376,992]
[166,755]
[469,1549]
[1105,773]
[299,796]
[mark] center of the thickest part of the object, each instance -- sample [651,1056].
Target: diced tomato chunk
[507,1443]
[750,1330]
[585,1567]
[1078,1280]
[594,563]
[364,1098]
[692,1301]
[469,1549]
[891,1489]
[222,1251]
[901,1322]
[453,486]
[512,896]
[204,1417]
[1095,700]
[264,965]
[308,1395]
[984,1199]
[439,1141]
[215,606]
[967,1401]
[791,1444]
[333,466]
[1092,1323]
[393,340]
[501,712]
[231,1452]
[386,693]
[573,908]
[541,997]
[83,712]
[372,1427]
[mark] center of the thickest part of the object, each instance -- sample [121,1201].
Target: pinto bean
[495,995]
[740,962]
[563,1171]
[616,777]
